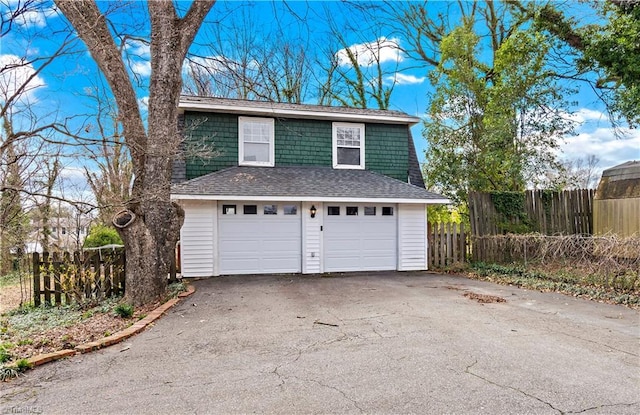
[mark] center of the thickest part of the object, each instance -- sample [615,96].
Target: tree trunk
[150,237]
[149,249]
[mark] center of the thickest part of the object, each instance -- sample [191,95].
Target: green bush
[4,355]
[23,365]
[101,235]
[123,310]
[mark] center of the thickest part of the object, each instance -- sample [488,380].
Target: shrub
[4,355]
[7,373]
[101,235]
[123,310]
[23,365]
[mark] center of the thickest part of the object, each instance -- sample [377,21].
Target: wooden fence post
[36,279]
[70,280]
[47,278]
[108,275]
[57,279]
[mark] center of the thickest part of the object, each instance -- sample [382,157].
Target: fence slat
[57,279]
[36,279]
[64,277]
[47,278]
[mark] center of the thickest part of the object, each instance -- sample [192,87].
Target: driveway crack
[280,377]
[341,392]
[468,371]
[603,406]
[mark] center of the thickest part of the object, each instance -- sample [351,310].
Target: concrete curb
[136,328]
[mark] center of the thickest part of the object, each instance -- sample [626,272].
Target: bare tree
[578,173]
[24,122]
[239,59]
[359,73]
[111,182]
[151,224]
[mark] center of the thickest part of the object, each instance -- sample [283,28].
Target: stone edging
[114,338]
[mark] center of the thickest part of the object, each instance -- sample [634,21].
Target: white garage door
[360,237]
[259,238]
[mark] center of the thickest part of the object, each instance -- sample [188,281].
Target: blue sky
[59,90]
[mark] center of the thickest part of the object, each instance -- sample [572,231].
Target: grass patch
[30,319]
[176,288]
[123,310]
[621,290]
[11,279]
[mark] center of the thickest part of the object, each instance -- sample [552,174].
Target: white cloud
[138,55]
[141,68]
[143,103]
[584,115]
[34,16]
[366,54]
[403,79]
[137,48]
[603,143]
[15,73]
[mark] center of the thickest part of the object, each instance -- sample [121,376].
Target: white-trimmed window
[348,146]
[256,141]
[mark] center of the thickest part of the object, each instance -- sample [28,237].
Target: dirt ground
[95,326]
[10,298]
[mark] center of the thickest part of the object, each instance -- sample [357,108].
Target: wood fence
[549,213]
[448,243]
[63,277]
[60,278]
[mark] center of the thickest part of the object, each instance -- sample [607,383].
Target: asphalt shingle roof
[229,105]
[302,182]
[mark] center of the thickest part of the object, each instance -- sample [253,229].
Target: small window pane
[387,211]
[349,156]
[333,210]
[270,209]
[290,210]
[352,210]
[256,152]
[228,209]
[369,210]
[250,209]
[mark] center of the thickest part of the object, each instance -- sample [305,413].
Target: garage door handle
[320,228]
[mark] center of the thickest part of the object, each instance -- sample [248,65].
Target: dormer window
[255,141]
[348,146]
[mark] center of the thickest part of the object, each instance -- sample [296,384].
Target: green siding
[386,150]
[303,142]
[298,143]
[212,131]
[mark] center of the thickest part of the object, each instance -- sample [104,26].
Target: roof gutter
[442,201]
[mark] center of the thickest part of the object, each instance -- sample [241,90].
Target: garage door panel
[258,244]
[360,242]
[381,245]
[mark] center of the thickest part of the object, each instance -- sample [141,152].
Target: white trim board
[312,199]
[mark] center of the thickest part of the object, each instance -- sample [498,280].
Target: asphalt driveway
[366,343]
